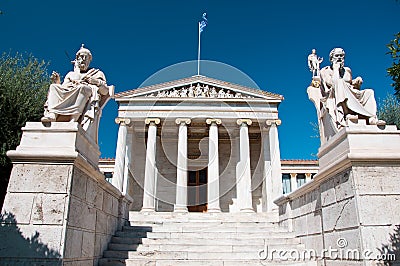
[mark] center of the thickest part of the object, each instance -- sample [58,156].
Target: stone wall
[351,210]
[57,210]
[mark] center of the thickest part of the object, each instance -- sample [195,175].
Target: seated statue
[336,93]
[80,97]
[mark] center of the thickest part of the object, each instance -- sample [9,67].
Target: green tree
[24,83]
[394,70]
[390,110]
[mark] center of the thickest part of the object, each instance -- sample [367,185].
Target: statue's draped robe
[341,93]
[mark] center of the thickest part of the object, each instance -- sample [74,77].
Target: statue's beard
[341,63]
[83,67]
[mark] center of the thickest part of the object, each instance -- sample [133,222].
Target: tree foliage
[390,110]
[394,70]
[24,83]
[390,107]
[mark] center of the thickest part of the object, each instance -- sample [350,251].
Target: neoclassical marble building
[198,144]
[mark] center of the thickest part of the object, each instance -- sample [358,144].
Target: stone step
[207,235]
[201,248]
[224,239]
[148,227]
[204,241]
[221,241]
[127,240]
[146,262]
[162,217]
[201,222]
[184,255]
[214,228]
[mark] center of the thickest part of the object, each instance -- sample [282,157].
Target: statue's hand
[357,82]
[93,81]
[55,78]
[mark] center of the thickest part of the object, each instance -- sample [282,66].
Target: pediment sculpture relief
[201,90]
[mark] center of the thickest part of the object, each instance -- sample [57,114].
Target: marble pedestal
[352,205]
[59,210]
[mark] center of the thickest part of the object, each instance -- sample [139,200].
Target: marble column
[213,167]
[308,177]
[243,172]
[128,159]
[275,155]
[293,182]
[150,166]
[118,177]
[182,169]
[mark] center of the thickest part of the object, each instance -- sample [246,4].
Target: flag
[203,23]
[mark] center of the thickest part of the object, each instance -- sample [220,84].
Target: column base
[147,210]
[215,210]
[181,209]
[247,210]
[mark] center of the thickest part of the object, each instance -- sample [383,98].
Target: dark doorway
[197,190]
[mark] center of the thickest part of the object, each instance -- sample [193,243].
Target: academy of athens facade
[198,176]
[211,146]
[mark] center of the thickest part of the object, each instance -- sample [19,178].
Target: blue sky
[267,40]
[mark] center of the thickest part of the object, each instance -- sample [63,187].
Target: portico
[198,144]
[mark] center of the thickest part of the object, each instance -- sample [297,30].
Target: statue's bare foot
[74,118]
[50,117]
[376,121]
[352,117]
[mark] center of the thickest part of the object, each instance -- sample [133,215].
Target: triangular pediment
[200,87]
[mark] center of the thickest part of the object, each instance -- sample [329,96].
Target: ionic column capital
[185,121]
[211,121]
[122,121]
[244,121]
[277,122]
[149,121]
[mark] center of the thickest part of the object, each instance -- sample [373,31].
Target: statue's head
[337,56]
[84,57]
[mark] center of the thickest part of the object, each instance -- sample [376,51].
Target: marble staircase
[218,239]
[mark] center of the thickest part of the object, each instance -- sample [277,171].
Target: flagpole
[198,53]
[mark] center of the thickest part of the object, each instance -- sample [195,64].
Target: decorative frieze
[201,90]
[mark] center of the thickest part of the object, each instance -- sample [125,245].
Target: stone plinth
[352,203]
[359,143]
[59,210]
[51,143]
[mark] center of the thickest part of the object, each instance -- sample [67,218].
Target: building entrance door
[197,191]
